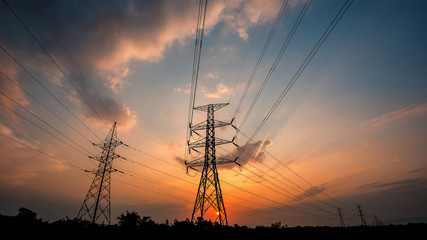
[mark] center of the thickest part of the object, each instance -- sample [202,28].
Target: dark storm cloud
[93,43]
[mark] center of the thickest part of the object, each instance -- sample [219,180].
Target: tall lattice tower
[209,195]
[97,204]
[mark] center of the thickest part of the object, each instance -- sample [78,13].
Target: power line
[247,49]
[126,183]
[83,170]
[260,57]
[42,152]
[301,69]
[152,156]
[46,89]
[276,61]
[298,186]
[56,64]
[273,201]
[42,128]
[296,174]
[65,50]
[159,171]
[44,121]
[48,109]
[302,178]
[283,191]
[151,180]
[327,32]
[201,17]
[181,179]
[332,25]
[295,209]
[151,190]
[295,197]
[135,175]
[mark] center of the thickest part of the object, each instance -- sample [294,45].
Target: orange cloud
[114,112]
[11,88]
[411,110]
[250,152]
[242,15]
[19,163]
[221,90]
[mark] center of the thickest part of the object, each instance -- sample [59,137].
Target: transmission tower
[377,222]
[342,224]
[97,205]
[209,194]
[360,212]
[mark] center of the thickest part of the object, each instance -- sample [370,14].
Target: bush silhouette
[130,220]
[26,216]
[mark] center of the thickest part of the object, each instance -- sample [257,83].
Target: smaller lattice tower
[96,206]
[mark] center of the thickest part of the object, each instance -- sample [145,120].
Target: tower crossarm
[215,107]
[201,161]
[204,125]
[221,160]
[196,163]
[110,156]
[105,145]
[202,142]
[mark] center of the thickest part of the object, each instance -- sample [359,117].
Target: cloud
[402,184]
[11,88]
[105,42]
[116,78]
[182,90]
[418,170]
[240,16]
[221,90]
[408,111]
[369,144]
[110,111]
[212,75]
[20,164]
[107,38]
[310,192]
[250,152]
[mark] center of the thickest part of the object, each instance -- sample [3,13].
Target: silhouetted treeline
[131,224]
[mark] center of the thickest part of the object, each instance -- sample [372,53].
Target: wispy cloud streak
[411,110]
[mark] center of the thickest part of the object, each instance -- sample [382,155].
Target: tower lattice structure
[342,224]
[360,213]
[97,203]
[209,194]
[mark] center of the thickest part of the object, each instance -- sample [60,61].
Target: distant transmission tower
[97,205]
[360,212]
[342,224]
[209,193]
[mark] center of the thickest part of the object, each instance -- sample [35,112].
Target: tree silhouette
[129,220]
[26,216]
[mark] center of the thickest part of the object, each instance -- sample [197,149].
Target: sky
[350,130]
